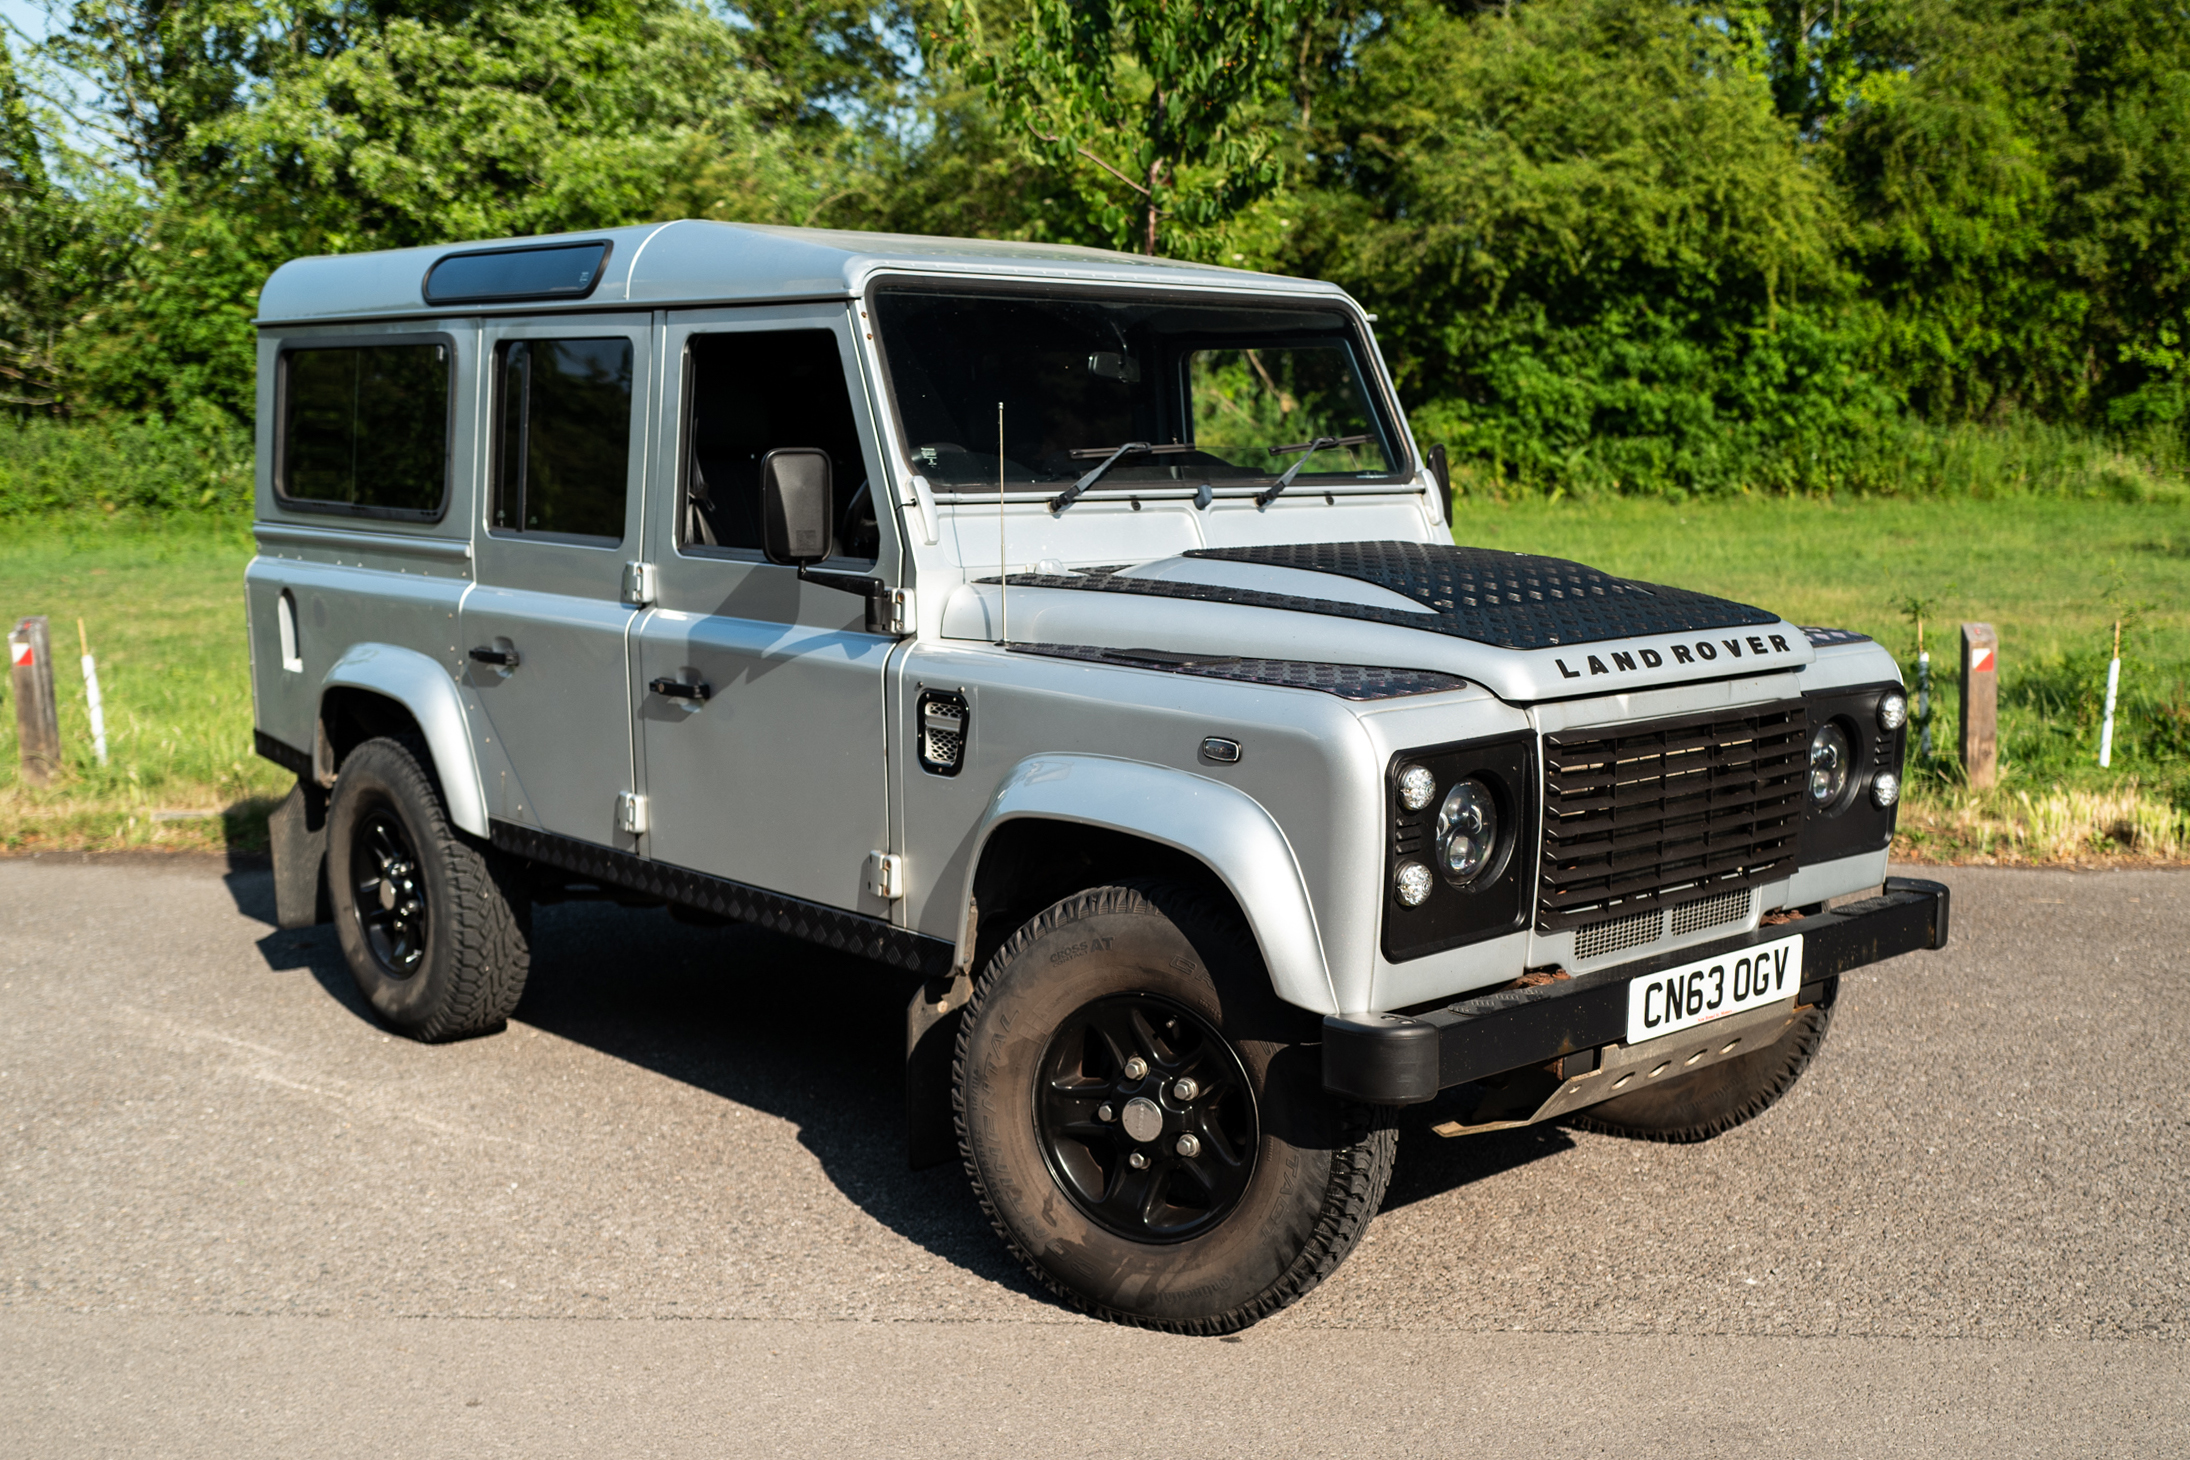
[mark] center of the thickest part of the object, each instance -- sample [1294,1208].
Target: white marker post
[2113,683]
[91,694]
[1923,692]
[1003,567]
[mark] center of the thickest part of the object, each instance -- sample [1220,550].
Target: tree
[1161,100]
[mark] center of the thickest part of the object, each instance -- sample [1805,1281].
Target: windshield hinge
[640,585]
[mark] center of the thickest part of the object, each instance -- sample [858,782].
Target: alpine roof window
[557,271]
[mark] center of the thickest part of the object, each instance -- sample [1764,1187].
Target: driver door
[760,720]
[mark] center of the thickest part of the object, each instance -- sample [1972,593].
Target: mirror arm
[885,615]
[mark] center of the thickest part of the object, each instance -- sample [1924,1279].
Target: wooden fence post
[37,722]
[1980,704]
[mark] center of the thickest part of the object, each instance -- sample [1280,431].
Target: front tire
[436,928]
[1144,1121]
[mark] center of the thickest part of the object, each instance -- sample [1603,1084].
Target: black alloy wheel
[1147,1118]
[391,895]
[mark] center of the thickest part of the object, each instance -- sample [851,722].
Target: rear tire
[1717,1098]
[436,927]
[1279,1179]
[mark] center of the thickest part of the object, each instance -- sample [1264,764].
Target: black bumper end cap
[1941,897]
[1381,1059]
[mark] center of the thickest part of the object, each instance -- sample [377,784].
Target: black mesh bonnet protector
[1509,600]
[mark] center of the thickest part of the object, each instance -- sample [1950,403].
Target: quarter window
[563,447]
[366,428]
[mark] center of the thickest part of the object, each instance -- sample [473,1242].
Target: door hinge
[630,812]
[639,584]
[886,875]
[890,611]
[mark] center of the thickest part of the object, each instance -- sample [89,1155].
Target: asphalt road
[665,1213]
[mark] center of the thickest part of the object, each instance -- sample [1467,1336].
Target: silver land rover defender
[1081,636]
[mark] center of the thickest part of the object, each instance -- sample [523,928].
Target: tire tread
[1361,1167]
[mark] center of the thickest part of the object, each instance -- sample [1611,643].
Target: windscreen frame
[1367,362]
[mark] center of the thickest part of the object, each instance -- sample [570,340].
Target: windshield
[1211,388]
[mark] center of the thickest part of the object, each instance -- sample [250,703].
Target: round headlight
[1885,789]
[1412,884]
[1416,786]
[1893,710]
[1832,759]
[1467,831]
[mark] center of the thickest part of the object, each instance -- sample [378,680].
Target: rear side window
[365,428]
[563,438]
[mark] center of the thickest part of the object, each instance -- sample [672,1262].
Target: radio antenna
[1003,568]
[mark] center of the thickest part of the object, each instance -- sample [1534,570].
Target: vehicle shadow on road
[1431,1165]
[817,1039]
[813,1037]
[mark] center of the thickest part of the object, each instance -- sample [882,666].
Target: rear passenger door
[777,778]
[565,406]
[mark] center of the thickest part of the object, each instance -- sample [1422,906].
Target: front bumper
[1404,1059]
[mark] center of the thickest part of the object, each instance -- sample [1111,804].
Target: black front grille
[1638,815]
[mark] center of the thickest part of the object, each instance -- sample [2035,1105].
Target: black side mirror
[795,505]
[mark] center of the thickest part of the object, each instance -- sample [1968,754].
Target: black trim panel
[1385,1058]
[282,753]
[832,927]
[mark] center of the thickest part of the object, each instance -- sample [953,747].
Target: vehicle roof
[692,262]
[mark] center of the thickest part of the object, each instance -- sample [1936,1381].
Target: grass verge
[2051,575]
[163,602]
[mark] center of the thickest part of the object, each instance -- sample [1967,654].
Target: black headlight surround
[1496,901]
[1853,823]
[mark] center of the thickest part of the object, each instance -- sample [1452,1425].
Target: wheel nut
[1188,1146]
[1136,1068]
[1104,1112]
[1185,1090]
[1137,1161]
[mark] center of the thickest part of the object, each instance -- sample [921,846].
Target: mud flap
[931,1040]
[297,830]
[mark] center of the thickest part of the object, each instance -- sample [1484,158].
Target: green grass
[162,601]
[2050,575]
[162,597]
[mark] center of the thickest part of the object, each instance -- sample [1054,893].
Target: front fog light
[1416,786]
[1893,711]
[1885,789]
[1412,884]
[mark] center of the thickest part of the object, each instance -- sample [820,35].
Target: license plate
[1665,1003]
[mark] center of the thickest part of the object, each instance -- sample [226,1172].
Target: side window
[366,428]
[562,449]
[750,394]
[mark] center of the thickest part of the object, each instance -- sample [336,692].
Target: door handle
[677,689]
[501,658]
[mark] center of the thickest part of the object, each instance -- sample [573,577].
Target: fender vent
[943,722]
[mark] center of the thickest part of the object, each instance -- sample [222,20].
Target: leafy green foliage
[1150,105]
[1664,247]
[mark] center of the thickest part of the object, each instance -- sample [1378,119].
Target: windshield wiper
[1110,457]
[1307,450]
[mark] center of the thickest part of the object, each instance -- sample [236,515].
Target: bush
[200,464]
